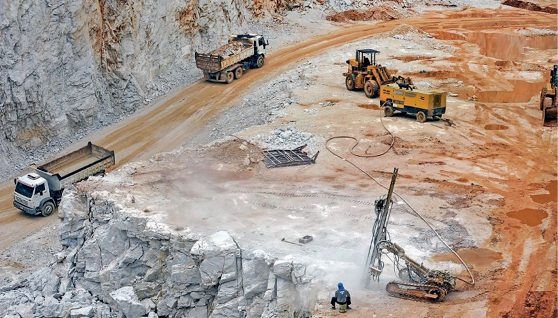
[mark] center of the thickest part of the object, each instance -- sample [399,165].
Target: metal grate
[286,158]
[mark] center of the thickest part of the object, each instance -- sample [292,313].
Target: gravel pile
[230,48]
[287,138]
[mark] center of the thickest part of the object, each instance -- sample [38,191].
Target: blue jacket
[341,296]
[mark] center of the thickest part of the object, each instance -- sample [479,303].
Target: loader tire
[48,208]
[350,82]
[230,77]
[543,97]
[260,61]
[388,111]
[371,88]
[238,73]
[421,117]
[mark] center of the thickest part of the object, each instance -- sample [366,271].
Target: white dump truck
[40,192]
[244,51]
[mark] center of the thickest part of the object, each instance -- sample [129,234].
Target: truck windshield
[24,189]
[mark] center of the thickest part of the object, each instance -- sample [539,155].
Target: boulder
[255,272]
[88,311]
[127,302]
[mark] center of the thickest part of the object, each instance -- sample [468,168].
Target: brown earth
[525,238]
[382,13]
[529,6]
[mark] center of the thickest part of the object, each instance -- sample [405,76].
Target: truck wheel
[371,88]
[48,208]
[350,82]
[260,61]
[388,111]
[421,117]
[238,73]
[230,77]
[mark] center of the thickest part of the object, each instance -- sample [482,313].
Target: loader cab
[363,59]
[30,192]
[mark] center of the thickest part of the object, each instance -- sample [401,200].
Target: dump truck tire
[543,97]
[388,111]
[371,88]
[421,117]
[238,72]
[260,61]
[350,82]
[48,208]
[230,77]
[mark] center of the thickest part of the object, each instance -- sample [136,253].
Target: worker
[341,297]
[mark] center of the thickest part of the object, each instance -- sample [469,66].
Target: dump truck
[550,112]
[242,52]
[364,73]
[423,103]
[40,191]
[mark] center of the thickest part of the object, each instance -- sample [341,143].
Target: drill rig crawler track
[417,282]
[418,292]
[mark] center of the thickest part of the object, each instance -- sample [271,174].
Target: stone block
[127,302]
[88,311]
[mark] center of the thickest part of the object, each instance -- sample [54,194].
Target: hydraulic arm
[418,282]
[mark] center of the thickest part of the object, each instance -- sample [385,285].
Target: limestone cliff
[123,263]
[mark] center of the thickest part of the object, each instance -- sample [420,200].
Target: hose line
[472,282]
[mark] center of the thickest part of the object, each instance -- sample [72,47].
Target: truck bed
[76,166]
[225,56]
[76,163]
[76,160]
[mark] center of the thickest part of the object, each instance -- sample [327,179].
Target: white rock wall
[70,67]
[123,263]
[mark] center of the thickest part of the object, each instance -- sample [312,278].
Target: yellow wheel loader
[550,110]
[364,73]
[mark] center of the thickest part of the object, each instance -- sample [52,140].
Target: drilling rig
[417,282]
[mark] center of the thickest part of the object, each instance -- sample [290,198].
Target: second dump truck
[40,192]
[242,52]
[423,103]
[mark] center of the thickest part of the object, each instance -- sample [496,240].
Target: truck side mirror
[15,181]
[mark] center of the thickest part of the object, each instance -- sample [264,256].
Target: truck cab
[33,195]
[257,41]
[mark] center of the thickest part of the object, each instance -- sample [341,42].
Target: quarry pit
[192,224]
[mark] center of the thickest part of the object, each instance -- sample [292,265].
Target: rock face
[124,263]
[69,67]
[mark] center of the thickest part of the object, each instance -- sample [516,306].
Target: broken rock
[127,301]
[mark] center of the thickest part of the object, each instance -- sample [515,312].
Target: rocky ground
[485,179]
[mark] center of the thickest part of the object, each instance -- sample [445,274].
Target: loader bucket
[549,117]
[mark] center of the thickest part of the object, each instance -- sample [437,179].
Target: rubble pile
[287,138]
[230,48]
[123,263]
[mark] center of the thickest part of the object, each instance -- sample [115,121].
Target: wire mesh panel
[285,158]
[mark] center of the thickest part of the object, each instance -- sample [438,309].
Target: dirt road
[174,119]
